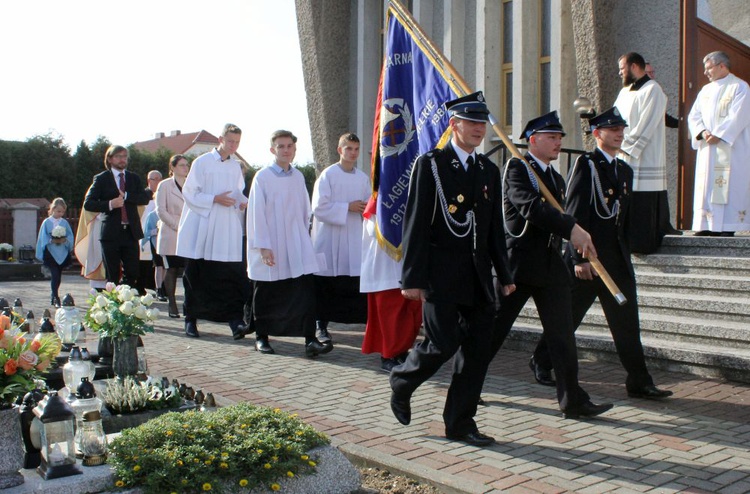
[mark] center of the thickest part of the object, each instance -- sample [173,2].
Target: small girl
[54,245]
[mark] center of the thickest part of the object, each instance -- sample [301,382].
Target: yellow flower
[294,415]
[275,458]
[206,486]
[179,463]
[304,457]
[243,482]
[243,426]
[259,451]
[290,474]
[275,487]
[184,481]
[169,433]
[267,466]
[207,462]
[299,433]
[223,465]
[136,468]
[119,483]
[311,463]
[225,454]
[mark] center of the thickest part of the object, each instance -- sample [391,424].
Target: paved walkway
[698,441]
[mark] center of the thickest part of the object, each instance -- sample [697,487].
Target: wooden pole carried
[459,85]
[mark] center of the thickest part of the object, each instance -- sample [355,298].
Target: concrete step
[666,328]
[710,307]
[726,286]
[737,246]
[695,265]
[703,360]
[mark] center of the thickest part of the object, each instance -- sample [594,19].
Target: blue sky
[130,69]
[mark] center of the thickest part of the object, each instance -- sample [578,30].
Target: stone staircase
[694,301]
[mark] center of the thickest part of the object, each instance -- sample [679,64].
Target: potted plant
[121,314]
[6,251]
[22,361]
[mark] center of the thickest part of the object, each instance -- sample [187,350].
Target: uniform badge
[484,190]
[460,198]
[452,208]
[610,192]
[455,164]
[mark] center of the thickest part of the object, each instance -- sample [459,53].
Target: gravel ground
[378,481]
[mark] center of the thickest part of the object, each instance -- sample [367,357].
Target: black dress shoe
[587,410]
[649,392]
[702,233]
[474,438]
[315,348]
[726,234]
[323,335]
[387,364]
[542,376]
[239,330]
[191,329]
[481,402]
[401,408]
[174,315]
[263,346]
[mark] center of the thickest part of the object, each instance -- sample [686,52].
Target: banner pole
[456,77]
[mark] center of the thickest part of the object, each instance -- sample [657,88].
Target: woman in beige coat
[169,204]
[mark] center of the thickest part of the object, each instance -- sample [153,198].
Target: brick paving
[696,442]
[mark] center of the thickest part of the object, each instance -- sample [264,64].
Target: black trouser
[469,342]
[122,251]
[553,306]
[623,323]
[55,271]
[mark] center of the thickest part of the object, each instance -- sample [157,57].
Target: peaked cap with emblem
[607,118]
[470,107]
[549,123]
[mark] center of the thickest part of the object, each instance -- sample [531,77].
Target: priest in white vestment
[719,125]
[209,237]
[642,103]
[339,199]
[280,255]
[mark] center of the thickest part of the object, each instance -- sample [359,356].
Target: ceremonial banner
[409,120]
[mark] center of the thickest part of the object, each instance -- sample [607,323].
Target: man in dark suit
[599,192]
[534,233]
[452,238]
[117,193]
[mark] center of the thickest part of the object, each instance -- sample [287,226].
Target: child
[54,244]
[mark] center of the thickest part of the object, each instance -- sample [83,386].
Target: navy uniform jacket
[610,236]
[536,257]
[447,267]
[103,189]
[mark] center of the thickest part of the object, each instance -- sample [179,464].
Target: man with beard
[598,197]
[117,193]
[642,103]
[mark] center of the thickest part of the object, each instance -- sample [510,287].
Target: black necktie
[469,162]
[550,176]
[614,166]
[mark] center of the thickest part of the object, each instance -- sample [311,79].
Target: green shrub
[230,450]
